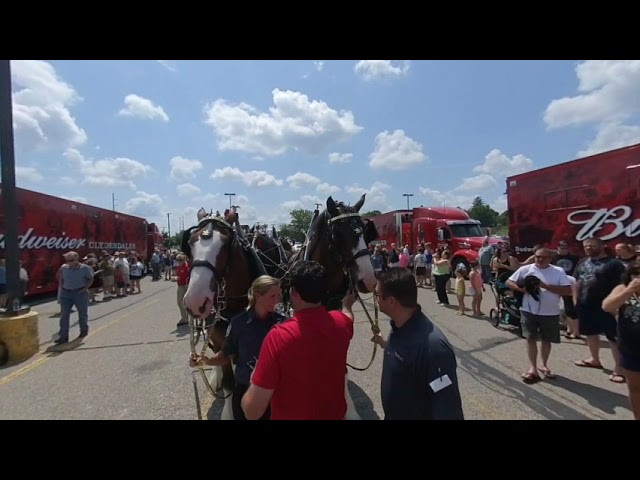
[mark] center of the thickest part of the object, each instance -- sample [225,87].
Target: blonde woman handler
[244,338]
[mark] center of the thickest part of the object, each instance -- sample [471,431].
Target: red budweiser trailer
[50,226]
[596,196]
[439,226]
[154,240]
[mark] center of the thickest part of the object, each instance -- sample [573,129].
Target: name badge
[440,383]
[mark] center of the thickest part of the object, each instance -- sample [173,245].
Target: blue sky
[173,135]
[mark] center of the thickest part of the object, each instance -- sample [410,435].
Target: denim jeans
[79,298]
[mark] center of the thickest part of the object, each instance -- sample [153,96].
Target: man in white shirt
[124,263]
[540,310]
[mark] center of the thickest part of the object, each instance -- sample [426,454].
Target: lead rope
[221,304]
[375,328]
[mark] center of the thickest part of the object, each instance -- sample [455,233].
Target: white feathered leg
[227,410]
[352,413]
[215,378]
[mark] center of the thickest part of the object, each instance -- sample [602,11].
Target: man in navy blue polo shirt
[419,380]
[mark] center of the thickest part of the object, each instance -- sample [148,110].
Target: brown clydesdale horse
[222,267]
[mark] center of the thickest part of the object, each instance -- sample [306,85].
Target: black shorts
[569,308]
[630,361]
[421,271]
[597,322]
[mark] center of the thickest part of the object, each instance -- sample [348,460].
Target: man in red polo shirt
[302,363]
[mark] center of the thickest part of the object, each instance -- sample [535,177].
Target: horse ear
[184,245]
[359,203]
[201,213]
[331,207]
[370,233]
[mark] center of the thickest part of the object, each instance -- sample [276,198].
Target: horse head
[214,251]
[339,242]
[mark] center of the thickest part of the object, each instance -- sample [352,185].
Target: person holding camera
[543,285]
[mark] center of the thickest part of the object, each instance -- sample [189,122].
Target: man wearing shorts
[597,276]
[540,310]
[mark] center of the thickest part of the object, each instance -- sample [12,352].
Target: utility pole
[9,194]
[169,226]
[230,195]
[407,195]
[113,201]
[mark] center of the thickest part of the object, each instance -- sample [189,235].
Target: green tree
[300,221]
[503,219]
[482,212]
[371,213]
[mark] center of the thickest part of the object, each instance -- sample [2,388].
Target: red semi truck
[439,226]
[50,226]
[596,196]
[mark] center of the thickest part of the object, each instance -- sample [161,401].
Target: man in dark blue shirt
[419,379]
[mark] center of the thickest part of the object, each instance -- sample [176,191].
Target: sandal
[617,378]
[547,373]
[587,364]
[530,378]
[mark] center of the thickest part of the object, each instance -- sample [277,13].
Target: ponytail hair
[260,286]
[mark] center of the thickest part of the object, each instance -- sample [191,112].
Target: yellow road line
[43,359]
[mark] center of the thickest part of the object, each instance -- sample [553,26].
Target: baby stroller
[507,309]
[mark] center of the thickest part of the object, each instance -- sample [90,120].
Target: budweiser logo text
[595,220]
[29,241]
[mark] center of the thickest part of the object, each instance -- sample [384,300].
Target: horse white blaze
[365,267]
[198,291]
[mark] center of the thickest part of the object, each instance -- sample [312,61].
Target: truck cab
[440,226]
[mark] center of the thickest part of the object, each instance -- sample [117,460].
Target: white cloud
[611,136]
[28,174]
[253,178]
[41,108]
[294,122]
[300,179]
[381,69]
[340,158]
[108,172]
[187,190]
[480,183]
[310,200]
[184,168]
[376,198]
[488,183]
[609,91]
[499,204]
[139,107]
[608,97]
[168,64]
[447,199]
[498,164]
[327,189]
[396,151]
[146,205]
[319,65]
[292,205]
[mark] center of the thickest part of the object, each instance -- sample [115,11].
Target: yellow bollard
[20,335]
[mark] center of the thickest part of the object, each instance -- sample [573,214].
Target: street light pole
[230,195]
[169,226]
[407,195]
[9,194]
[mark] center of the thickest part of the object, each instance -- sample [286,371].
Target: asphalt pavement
[134,365]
